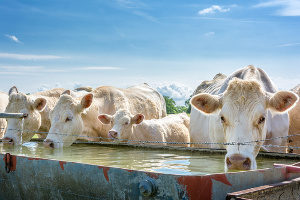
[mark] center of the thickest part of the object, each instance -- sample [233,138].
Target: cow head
[122,122]
[241,115]
[29,105]
[66,120]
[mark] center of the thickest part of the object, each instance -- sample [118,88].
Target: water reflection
[154,160]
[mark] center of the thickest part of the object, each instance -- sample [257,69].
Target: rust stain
[152,175]
[34,159]
[200,187]
[61,164]
[13,161]
[105,172]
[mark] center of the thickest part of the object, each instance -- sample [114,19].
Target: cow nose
[48,143]
[238,162]
[8,140]
[112,134]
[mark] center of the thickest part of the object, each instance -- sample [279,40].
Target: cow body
[3,104]
[37,106]
[244,107]
[130,128]
[76,118]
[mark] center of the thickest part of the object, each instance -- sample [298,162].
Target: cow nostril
[51,144]
[115,134]
[247,163]
[228,162]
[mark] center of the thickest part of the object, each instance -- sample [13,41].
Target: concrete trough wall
[283,190]
[32,178]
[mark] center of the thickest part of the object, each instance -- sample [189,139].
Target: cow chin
[239,162]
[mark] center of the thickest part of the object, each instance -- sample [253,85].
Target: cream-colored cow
[37,107]
[294,129]
[125,126]
[74,117]
[3,104]
[246,107]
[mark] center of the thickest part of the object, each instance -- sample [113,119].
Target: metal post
[13,115]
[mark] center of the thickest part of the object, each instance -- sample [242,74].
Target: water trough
[28,176]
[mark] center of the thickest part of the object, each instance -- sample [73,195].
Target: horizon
[171,45]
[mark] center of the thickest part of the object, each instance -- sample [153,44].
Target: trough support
[35,178]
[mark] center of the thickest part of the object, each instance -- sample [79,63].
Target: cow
[36,107]
[76,118]
[127,127]
[3,104]
[294,129]
[244,110]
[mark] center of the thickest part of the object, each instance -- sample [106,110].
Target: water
[152,160]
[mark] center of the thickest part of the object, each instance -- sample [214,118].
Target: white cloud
[208,34]
[178,92]
[213,9]
[287,7]
[285,83]
[13,38]
[28,56]
[98,68]
[289,44]
[21,68]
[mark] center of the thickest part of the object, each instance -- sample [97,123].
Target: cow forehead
[244,92]
[65,103]
[122,116]
[18,102]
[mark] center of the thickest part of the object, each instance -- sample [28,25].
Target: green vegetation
[173,109]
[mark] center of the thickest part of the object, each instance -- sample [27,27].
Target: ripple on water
[153,160]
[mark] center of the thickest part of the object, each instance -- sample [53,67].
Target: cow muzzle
[112,134]
[238,162]
[48,143]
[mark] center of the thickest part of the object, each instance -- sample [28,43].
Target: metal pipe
[13,115]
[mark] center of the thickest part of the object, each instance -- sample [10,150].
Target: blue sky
[170,44]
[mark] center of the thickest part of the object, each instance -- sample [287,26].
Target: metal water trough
[37,178]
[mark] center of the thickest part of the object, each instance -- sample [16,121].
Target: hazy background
[171,44]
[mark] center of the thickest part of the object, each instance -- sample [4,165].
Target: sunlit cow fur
[131,128]
[37,107]
[3,104]
[76,118]
[245,108]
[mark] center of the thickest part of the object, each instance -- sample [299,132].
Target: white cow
[3,104]
[76,118]
[125,126]
[245,107]
[37,107]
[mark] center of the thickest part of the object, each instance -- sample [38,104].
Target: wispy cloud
[213,9]
[98,68]
[287,7]
[130,3]
[13,38]
[209,34]
[28,56]
[289,44]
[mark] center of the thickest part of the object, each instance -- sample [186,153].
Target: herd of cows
[241,113]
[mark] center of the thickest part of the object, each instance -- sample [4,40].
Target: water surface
[145,159]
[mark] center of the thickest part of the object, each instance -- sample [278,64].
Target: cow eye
[223,119]
[261,120]
[25,115]
[68,119]
[126,123]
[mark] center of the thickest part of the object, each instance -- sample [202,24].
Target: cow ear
[13,89]
[39,104]
[282,101]
[137,119]
[86,102]
[68,92]
[206,103]
[105,119]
